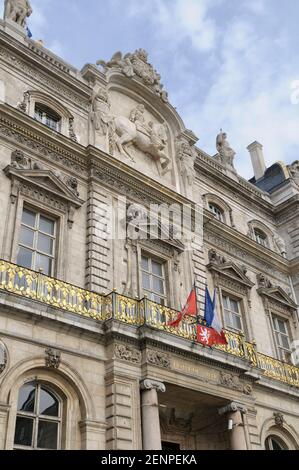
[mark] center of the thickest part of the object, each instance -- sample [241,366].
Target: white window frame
[150,293]
[261,237]
[217,211]
[36,230]
[35,416]
[283,353]
[232,313]
[46,116]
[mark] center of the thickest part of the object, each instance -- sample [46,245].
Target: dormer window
[260,237]
[216,211]
[47,116]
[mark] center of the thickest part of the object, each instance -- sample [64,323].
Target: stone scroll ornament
[137,65]
[3,357]
[17,11]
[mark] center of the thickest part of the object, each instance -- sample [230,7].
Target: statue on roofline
[17,11]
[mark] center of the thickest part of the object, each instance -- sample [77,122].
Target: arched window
[260,237]
[47,116]
[275,443]
[217,211]
[38,422]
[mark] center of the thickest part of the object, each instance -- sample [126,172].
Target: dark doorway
[170,446]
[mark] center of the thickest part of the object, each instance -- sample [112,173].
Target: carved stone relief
[158,359]
[137,65]
[127,353]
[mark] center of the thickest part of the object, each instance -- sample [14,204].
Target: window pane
[281,326]
[25,257]
[46,225]
[27,398]
[144,263]
[23,432]
[47,435]
[234,306]
[157,268]
[158,299]
[237,322]
[44,264]
[227,318]
[48,404]
[146,283]
[285,342]
[28,218]
[225,302]
[27,236]
[158,285]
[45,244]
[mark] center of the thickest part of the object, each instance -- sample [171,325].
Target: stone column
[234,412]
[151,433]
[4,410]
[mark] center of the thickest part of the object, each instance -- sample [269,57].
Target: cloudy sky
[227,64]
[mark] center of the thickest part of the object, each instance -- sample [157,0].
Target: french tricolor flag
[212,332]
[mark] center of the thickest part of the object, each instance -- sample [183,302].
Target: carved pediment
[277,294]
[47,181]
[228,269]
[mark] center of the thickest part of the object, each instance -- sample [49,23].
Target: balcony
[59,294]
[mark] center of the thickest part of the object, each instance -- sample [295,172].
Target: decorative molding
[229,271]
[149,384]
[158,359]
[274,294]
[53,358]
[54,86]
[126,353]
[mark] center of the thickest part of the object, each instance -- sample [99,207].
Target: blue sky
[226,63]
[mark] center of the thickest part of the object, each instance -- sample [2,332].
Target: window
[282,338]
[37,242]
[38,419]
[274,443]
[47,116]
[232,313]
[216,211]
[260,237]
[153,279]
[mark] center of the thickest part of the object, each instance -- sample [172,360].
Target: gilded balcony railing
[53,292]
[59,294]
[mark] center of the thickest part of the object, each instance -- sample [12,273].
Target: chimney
[257,158]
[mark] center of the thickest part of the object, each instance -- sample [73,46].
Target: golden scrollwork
[127,310]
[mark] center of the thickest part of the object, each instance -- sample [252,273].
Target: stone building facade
[87,359]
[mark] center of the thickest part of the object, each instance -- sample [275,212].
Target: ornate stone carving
[226,153]
[279,419]
[158,359]
[100,111]
[137,64]
[232,381]
[280,245]
[126,353]
[3,357]
[186,155]
[53,358]
[263,281]
[149,384]
[294,172]
[72,183]
[214,257]
[17,11]
[23,105]
[72,133]
[19,161]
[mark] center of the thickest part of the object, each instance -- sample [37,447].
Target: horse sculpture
[152,140]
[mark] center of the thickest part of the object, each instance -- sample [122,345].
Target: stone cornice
[47,62]
[244,243]
[238,185]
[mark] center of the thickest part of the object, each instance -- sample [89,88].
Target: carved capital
[233,407]
[149,384]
